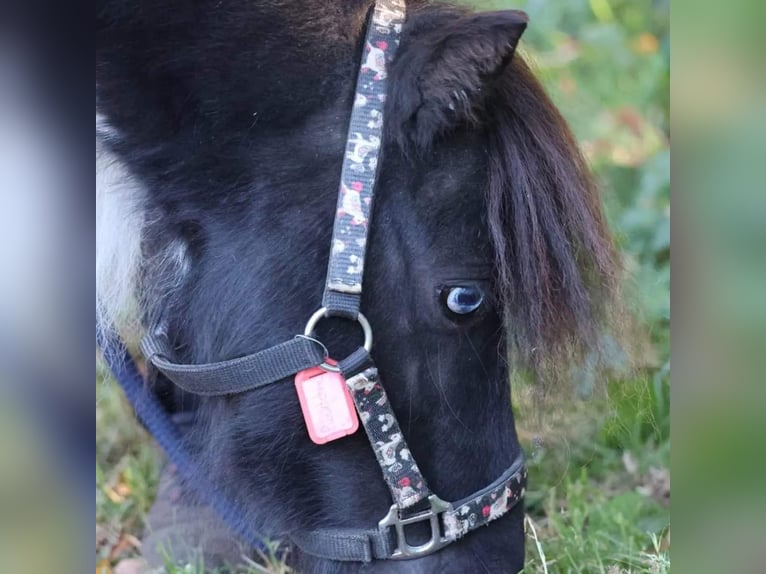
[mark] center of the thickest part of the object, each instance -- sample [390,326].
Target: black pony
[224,124]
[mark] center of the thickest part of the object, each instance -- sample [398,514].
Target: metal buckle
[404,550]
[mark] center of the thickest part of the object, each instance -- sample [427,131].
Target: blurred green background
[599,493]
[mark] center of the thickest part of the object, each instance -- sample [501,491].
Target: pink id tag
[327,406]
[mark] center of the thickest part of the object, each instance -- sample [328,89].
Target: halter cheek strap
[343,286]
[413,501]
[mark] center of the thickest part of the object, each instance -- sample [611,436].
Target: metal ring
[320,314]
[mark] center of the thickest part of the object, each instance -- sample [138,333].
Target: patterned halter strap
[413,502]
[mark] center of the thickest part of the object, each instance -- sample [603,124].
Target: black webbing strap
[343,287]
[346,545]
[235,375]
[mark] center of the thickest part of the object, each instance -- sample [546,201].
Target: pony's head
[487,240]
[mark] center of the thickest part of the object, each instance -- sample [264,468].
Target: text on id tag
[327,406]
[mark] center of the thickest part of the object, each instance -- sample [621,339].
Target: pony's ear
[443,66]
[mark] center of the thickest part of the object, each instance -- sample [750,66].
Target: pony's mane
[557,269]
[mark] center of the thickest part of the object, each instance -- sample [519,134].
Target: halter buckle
[404,550]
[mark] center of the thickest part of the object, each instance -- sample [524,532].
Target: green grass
[127,472]
[598,499]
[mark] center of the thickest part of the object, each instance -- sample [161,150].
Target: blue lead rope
[157,421]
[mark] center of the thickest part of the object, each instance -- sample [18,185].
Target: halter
[413,501]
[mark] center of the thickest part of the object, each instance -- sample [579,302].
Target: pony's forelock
[557,269]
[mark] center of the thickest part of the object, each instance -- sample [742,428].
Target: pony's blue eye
[464,300]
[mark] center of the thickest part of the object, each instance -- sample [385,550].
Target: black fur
[234,116]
